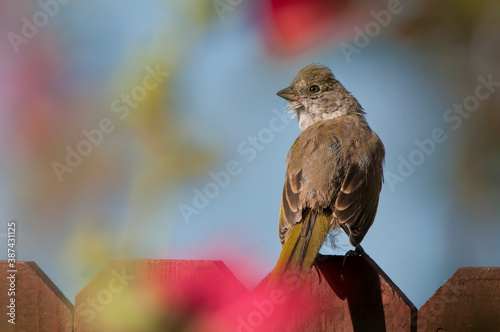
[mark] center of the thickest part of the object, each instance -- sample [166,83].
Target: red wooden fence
[341,294]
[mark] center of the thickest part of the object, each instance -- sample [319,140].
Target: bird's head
[315,94]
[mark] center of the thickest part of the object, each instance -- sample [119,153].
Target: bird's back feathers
[334,177]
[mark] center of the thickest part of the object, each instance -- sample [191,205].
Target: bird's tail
[300,249]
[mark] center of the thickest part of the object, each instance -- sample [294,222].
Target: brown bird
[334,171]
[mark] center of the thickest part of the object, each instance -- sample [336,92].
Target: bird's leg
[358,251]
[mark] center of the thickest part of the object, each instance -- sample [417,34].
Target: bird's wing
[307,183]
[357,201]
[291,207]
[303,224]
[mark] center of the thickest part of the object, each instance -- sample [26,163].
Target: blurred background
[116,117]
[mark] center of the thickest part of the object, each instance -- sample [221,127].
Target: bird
[334,172]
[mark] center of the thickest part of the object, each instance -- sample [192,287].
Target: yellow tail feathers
[300,249]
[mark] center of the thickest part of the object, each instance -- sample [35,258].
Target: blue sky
[226,92]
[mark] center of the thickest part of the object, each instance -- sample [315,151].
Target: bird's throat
[306,118]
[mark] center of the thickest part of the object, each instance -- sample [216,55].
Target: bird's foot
[348,254]
[352,253]
[359,251]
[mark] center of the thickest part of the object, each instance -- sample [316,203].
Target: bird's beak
[288,94]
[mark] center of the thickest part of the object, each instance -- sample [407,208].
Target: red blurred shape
[291,26]
[266,310]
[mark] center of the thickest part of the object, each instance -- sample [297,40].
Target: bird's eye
[314,89]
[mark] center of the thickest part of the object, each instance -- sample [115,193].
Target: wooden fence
[341,294]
